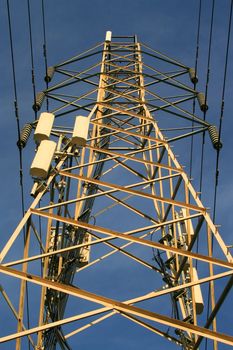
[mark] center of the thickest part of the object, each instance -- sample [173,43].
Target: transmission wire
[33,88]
[47,103]
[194,87]
[19,146]
[16,105]
[222,110]
[33,78]
[206,92]
[45,47]
[194,100]
[204,117]
[31,54]
[219,137]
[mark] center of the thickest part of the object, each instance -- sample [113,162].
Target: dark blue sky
[73,26]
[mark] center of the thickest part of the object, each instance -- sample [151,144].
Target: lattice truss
[110,239]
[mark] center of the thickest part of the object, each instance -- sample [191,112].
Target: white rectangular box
[108,37]
[80,132]
[44,127]
[43,158]
[198,299]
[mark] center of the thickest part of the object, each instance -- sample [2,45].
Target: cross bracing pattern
[109,243]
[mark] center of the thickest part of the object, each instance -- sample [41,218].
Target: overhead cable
[195,82]
[31,53]
[194,100]
[16,105]
[206,91]
[219,138]
[45,46]
[18,134]
[222,108]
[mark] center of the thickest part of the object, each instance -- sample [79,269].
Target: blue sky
[73,26]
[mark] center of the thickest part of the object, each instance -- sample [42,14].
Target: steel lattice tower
[112,231]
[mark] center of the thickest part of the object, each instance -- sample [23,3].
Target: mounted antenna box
[186,226]
[80,133]
[55,241]
[43,158]
[108,37]
[84,253]
[198,299]
[44,127]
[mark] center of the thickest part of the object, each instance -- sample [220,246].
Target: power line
[16,105]
[204,117]
[45,46]
[19,145]
[206,91]
[194,100]
[222,108]
[219,138]
[195,82]
[31,53]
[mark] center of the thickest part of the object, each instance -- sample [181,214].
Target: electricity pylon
[113,228]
